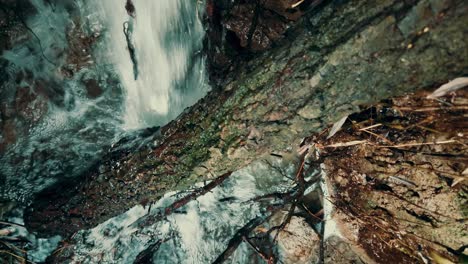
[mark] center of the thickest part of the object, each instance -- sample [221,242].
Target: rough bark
[340,56]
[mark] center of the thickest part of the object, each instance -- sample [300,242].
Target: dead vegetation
[397,172]
[263,233]
[396,178]
[12,247]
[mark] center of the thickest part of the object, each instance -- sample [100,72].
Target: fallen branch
[237,239]
[293,198]
[346,144]
[429,109]
[268,259]
[421,144]
[183,201]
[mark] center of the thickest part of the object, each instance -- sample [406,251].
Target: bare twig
[297,4]
[268,259]
[379,136]
[237,239]
[10,223]
[185,200]
[370,127]
[421,144]
[429,109]
[346,144]
[23,260]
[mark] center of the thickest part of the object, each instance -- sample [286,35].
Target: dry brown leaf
[449,87]
[4,232]
[337,126]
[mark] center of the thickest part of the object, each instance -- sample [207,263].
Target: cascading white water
[196,233]
[76,129]
[167,36]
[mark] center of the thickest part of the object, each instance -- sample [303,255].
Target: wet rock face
[92,88]
[25,96]
[24,105]
[78,55]
[12,15]
[244,27]
[46,71]
[27,109]
[30,106]
[267,108]
[16,105]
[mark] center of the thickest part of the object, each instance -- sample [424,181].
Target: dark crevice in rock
[239,30]
[423,217]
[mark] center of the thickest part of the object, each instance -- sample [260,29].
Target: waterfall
[167,36]
[70,129]
[76,126]
[76,129]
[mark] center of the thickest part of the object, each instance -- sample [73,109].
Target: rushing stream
[195,233]
[144,69]
[76,129]
[73,129]
[167,36]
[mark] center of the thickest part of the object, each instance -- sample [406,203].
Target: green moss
[195,157]
[258,80]
[370,205]
[231,139]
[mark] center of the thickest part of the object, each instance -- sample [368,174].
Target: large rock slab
[339,57]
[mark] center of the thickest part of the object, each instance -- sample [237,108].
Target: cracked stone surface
[341,57]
